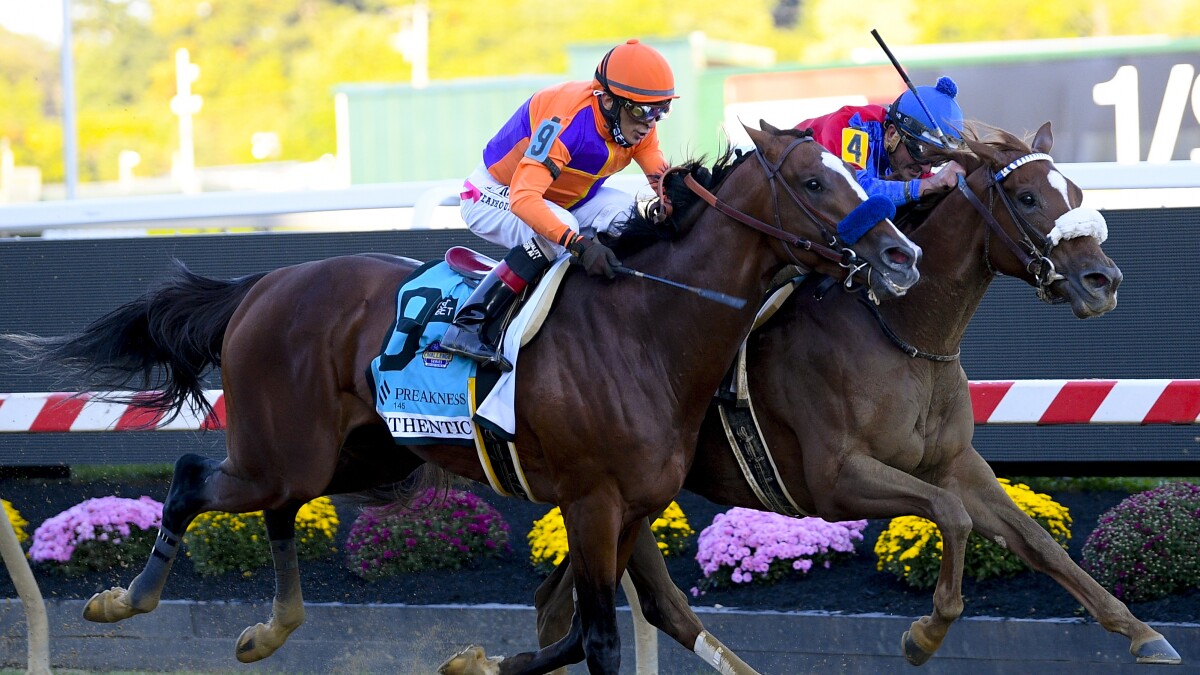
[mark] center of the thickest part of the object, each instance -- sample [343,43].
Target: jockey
[539,189]
[887,145]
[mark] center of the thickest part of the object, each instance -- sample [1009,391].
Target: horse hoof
[250,648]
[110,606]
[912,651]
[471,661]
[1157,650]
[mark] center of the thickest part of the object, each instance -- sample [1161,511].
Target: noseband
[846,258]
[1033,248]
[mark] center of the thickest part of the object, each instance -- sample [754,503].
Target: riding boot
[468,332]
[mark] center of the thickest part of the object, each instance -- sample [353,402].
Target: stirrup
[495,358]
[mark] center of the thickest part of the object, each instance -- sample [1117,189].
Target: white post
[185,104]
[70,133]
[413,41]
[31,597]
[420,58]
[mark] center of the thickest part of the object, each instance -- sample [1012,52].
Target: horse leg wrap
[719,657]
[147,587]
[288,607]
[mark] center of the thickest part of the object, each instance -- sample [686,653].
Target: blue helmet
[908,115]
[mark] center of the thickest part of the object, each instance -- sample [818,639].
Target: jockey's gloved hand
[596,258]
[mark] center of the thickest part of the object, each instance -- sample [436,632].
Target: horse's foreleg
[473,660]
[865,487]
[592,529]
[666,607]
[996,517]
[662,604]
[184,502]
[287,609]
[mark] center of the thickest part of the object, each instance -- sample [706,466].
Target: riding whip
[913,89]
[724,299]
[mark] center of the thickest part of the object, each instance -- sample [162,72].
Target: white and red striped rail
[994,402]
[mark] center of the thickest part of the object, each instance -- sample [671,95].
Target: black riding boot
[495,292]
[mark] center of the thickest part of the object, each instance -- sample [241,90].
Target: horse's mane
[643,229]
[998,140]
[995,138]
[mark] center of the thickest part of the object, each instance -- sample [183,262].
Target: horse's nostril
[898,256]
[1096,281]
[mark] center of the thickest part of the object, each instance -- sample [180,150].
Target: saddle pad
[497,412]
[420,390]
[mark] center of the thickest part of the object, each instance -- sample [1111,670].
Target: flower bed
[851,585]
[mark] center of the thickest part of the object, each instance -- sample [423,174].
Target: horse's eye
[1027,199]
[813,185]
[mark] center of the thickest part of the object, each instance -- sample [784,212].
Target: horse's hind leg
[183,503]
[996,517]
[287,609]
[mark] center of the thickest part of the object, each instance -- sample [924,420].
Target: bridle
[846,257]
[1033,248]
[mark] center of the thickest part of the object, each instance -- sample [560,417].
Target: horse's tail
[394,497]
[163,341]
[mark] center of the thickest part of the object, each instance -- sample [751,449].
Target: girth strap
[754,457]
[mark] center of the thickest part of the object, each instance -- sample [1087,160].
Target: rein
[770,230]
[1033,249]
[899,341]
[846,258]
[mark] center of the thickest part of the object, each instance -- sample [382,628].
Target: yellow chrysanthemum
[18,523]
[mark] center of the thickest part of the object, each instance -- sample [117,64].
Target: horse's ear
[757,136]
[766,126]
[1043,139]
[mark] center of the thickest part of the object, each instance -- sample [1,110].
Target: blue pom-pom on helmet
[908,115]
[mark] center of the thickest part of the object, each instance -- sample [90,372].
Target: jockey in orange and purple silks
[540,188]
[887,145]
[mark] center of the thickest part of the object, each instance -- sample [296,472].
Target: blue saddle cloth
[421,391]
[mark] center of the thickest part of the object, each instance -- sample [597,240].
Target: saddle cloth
[427,395]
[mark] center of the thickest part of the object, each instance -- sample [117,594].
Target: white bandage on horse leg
[719,657]
[1079,222]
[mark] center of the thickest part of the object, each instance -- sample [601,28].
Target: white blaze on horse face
[1058,182]
[840,167]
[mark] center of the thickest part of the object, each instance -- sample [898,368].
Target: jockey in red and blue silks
[540,188]
[887,145]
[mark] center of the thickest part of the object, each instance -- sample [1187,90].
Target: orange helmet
[636,72]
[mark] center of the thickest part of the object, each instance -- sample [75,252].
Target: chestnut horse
[613,388]
[860,428]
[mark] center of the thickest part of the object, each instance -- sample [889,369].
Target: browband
[1019,162]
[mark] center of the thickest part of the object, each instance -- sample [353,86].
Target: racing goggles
[647,112]
[919,150]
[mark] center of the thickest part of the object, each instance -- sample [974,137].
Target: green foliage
[270,65]
[1146,547]
[1091,483]
[220,542]
[440,530]
[91,473]
[105,554]
[911,547]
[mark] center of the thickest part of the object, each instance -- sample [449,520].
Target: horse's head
[812,195]
[1044,234]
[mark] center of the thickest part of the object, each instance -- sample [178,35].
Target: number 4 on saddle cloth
[427,395]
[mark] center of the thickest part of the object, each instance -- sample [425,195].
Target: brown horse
[861,429]
[614,387]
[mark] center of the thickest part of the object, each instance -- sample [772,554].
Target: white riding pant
[488,214]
